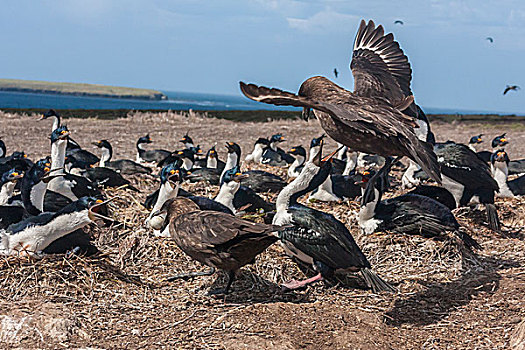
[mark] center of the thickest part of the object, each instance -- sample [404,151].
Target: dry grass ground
[449,297]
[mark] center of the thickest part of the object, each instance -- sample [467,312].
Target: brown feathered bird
[216,239]
[370,119]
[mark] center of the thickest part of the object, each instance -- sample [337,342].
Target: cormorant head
[186,139]
[96,208]
[102,144]
[212,153]
[233,148]
[172,173]
[49,113]
[500,141]
[234,174]
[18,155]
[475,139]
[184,153]
[12,175]
[144,139]
[277,138]
[362,178]
[196,150]
[317,141]
[262,141]
[298,151]
[499,156]
[60,133]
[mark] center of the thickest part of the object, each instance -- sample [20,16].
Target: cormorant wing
[324,238]
[379,66]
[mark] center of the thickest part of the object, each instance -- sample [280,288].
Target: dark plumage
[466,176]
[409,214]
[274,155]
[123,166]
[370,119]
[440,194]
[216,239]
[152,155]
[510,88]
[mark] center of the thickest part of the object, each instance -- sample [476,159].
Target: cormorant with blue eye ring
[500,161]
[71,186]
[410,213]
[317,238]
[36,236]
[274,155]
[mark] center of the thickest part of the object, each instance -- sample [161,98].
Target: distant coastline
[75,89]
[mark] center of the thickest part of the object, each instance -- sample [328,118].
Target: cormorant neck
[351,163]
[231,162]
[297,188]
[187,163]
[58,155]
[36,198]
[273,146]
[313,152]
[211,163]
[299,160]
[56,122]
[257,153]
[188,145]
[341,154]
[105,156]
[227,194]
[2,149]
[472,147]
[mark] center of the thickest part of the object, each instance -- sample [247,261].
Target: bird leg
[186,276]
[224,291]
[294,284]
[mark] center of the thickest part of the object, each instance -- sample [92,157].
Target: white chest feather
[325,192]
[6,192]
[408,180]
[227,194]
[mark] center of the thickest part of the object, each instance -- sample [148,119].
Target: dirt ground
[449,298]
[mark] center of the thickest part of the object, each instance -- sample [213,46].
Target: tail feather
[375,282]
[423,154]
[492,216]
[469,241]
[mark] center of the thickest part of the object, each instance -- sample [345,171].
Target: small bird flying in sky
[511,87]
[336,73]
[490,39]
[398,22]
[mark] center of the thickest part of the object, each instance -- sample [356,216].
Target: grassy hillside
[79,89]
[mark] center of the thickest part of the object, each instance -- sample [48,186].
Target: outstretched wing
[379,66]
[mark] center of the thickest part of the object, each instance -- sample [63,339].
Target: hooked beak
[93,215]
[48,177]
[331,155]
[239,177]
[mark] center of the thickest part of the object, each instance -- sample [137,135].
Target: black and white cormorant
[468,178]
[71,186]
[298,164]
[237,197]
[3,149]
[372,119]
[33,238]
[8,181]
[258,149]
[275,156]
[409,214]
[500,161]
[17,160]
[73,148]
[259,181]
[145,156]
[123,166]
[219,240]
[338,166]
[171,177]
[187,141]
[317,238]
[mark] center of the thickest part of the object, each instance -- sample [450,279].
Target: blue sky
[208,46]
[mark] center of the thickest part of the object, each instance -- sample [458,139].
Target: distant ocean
[175,101]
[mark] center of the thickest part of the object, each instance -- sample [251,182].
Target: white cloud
[323,21]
